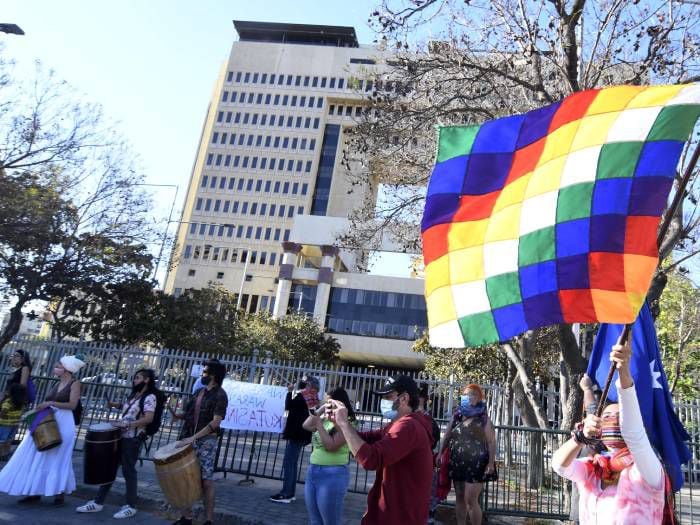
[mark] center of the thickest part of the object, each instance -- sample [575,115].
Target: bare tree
[463,62]
[71,218]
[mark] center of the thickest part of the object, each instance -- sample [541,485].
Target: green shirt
[321,456]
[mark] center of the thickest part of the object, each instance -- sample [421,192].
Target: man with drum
[203,415]
[132,421]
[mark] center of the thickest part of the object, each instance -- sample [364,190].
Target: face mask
[612,434]
[136,387]
[388,410]
[206,380]
[464,401]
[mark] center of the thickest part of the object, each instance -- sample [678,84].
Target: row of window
[249,303]
[207,252]
[263,119]
[240,232]
[269,99]
[245,161]
[260,209]
[253,185]
[286,80]
[347,111]
[263,141]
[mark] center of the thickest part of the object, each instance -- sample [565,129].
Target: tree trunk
[573,366]
[14,323]
[524,373]
[534,463]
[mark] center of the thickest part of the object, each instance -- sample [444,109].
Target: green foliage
[678,329]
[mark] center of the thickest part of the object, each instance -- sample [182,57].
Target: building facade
[268,192]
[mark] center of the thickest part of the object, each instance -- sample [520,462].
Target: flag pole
[665,225]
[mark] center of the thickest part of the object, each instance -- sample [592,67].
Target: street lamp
[167,224]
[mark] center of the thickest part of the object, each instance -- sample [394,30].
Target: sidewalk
[241,504]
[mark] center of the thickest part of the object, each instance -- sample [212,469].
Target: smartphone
[320,410]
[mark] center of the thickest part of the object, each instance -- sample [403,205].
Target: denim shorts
[206,453]
[7,433]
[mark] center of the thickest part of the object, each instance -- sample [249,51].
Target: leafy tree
[485,59]
[71,220]
[678,328]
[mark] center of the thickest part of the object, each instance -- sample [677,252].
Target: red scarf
[608,468]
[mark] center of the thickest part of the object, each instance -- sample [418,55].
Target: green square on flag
[536,247]
[503,289]
[456,141]
[574,202]
[481,326]
[618,159]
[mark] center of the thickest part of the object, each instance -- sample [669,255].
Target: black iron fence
[526,486]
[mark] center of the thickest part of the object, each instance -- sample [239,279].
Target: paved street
[45,513]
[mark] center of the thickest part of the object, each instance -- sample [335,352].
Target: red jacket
[401,454]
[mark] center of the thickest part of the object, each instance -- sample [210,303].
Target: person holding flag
[625,484]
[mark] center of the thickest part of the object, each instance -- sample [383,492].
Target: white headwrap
[71,363]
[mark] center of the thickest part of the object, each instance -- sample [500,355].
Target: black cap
[399,384]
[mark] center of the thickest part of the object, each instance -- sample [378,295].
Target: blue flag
[666,433]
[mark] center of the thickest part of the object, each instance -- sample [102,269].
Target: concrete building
[268,193]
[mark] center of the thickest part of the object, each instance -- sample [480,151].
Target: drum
[46,435]
[101,454]
[178,474]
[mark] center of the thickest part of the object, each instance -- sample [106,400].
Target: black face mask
[301,385]
[206,380]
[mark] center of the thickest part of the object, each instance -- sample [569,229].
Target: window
[213,182]
[267,185]
[358,111]
[258,185]
[258,232]
[311,102]
[280,80]
[294,101]
[231,182]
[263,163]
[362,61]
[220,116]
[300,210]
[224,97]
[289,80]
[298,124]
[277,187]
[286,235]
[314,82]
[268,233]
[212,229]
[277,142]
[239,232]
[303,144]
[304,188]
[323,82]
[236,162]
[277,100]
[285,142]
[254,120]
[331,109]
[222,182]
[263,208]
[241,97]
[249,232]
[219,275]
[234,255]
[280,212]
[254,163]
[197,250]
[295,188]
[290,121]
[227,205]
[268,98]
[263,257]
[244,208]
[205,179]
[224,136]
[210,159]
[348,111]
[207,205]
[268,140]
[217,204]
[234,208]
[331,84]
[254,208]
[258,141]
[245,161]
[285,100]
[215,138]
[191,272]
[285,188]
[237,119]
[249,186]
[297,82]
[272,78]
[246,118]
[220,233]
[308,166]
[290,212]
[341,83]
[290,165]
[244,257]
[247,78]
[277,234]
[319,102]
[307,122]
[233,139]
[273,257]
[295,143]
[273,207]
[340,111]
[202,229]
[312,144]
[229,77]
[255,78]
[188,251]
[263,78]
[272,163]
[299,165]
[241,139]
[302,101]
[193,228]
[281,165]
[228,117]
[280,121]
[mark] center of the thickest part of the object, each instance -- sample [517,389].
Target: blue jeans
[289,467]
[324,493]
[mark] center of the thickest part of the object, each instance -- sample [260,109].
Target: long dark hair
[339,394]
[26,361]
[17,394]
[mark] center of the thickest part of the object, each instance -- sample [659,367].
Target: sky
[152,65]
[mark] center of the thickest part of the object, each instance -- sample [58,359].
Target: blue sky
[152,64]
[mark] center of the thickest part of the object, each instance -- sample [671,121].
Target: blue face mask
[386,406]
[464,401]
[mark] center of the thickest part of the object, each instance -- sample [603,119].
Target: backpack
[154,426]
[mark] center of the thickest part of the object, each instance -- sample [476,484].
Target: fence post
[450,395]
[251,379]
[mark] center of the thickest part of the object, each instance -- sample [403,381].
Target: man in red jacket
[400,452]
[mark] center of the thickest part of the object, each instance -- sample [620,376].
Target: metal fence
[526,485]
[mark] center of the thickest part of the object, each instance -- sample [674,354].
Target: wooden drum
[101,454]
[46,435]
[178,474]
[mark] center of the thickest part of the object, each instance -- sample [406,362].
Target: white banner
[254,407]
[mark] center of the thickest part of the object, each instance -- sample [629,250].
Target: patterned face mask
[611,432]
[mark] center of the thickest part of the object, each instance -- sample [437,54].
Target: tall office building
[268,193]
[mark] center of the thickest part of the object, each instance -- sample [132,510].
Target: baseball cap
[399,384]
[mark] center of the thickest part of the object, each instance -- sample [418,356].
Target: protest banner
[254,407]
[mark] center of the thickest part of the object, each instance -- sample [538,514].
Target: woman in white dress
[33,474]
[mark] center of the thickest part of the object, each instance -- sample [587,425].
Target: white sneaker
[90,506]
[125,512]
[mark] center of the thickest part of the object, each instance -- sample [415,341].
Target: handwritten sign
[254,407]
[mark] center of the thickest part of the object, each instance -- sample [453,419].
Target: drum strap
[197,408]
[135,400]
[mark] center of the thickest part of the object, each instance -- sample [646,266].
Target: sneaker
[279,498]
[90,506]
[125,512]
